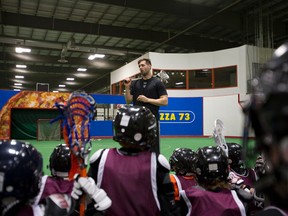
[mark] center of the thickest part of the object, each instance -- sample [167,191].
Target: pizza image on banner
[28,99]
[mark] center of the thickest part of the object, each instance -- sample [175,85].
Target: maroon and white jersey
[249,177]
[130,182]
[202,202]
[182,183]
[51,185]
[185,182]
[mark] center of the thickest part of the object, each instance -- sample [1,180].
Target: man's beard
[145,73]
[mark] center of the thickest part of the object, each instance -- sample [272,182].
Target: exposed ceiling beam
[96,64]
[111,31]
[186,10]
[77,47]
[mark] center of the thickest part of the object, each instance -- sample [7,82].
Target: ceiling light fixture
[69,78]
[82,69]
[62,86]
[16,90]
[93,56]
[22,50]
[21,66]
[19,77]
[18,84]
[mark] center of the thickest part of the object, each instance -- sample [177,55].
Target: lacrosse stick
[218,135]
[76,116]
[164,77]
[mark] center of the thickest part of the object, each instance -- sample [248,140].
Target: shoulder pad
[96,156]
[163,161]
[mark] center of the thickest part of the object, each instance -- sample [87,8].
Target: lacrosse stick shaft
[82,208]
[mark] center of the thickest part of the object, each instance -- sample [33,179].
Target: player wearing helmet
[134,177]
[59,164]
[237,165]
[20,182]
[183,163]
[268,115]
[213,190]
[21,173]
[242,177]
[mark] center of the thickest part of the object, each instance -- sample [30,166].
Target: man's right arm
[128,96]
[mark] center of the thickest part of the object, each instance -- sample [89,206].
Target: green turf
[167,145]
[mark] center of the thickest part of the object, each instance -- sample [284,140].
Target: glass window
[200,79]
[116,88]
[105,112]
[177,78]
[225,77]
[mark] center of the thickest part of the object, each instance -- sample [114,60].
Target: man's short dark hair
[148,61]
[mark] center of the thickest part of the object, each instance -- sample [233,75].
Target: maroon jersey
[130,182]
[249,177]
[182,183]
[201,202]
[51,185]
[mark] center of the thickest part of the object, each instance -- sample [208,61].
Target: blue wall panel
[183,116]
[5,95]
[101,128]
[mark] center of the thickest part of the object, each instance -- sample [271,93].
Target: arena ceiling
[63,33]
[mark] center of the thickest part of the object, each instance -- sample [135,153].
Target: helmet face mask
[21,169]
[60,161]
[135,127]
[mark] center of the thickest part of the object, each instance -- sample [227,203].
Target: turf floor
[167,145]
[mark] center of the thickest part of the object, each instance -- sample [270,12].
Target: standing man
[148,91]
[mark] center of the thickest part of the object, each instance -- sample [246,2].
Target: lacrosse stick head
[164,77]
[76,116]
[79,113]
[218,135]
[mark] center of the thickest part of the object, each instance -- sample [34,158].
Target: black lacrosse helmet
[60,161]
[212,164]
[134,127]
[20,169]
[183,161]
[235,156]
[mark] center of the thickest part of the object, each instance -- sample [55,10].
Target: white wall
[225,108]
[220,103]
